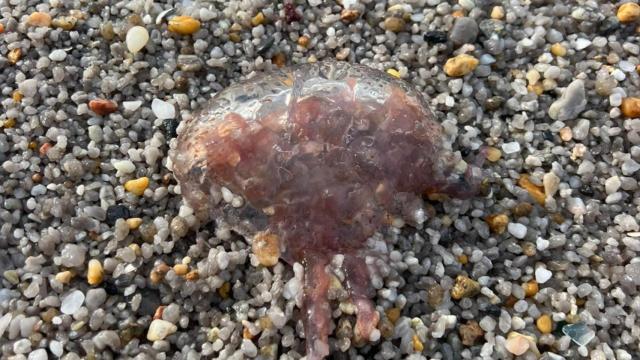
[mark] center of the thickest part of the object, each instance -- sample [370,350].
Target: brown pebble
[303,41]
[529,249]
[48,315]
[17,96]
[460,65]
[435,295]
[279,60]
[393,314]
[44,148]
[192,275]
[394,24]
[493,154]
[103,107]
[36,178]
[157,315]
[64,22]
[470,333]
[349,15]
[235,37]
[522,209]
[224,290]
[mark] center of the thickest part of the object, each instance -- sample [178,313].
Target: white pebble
[123,167]
[517,230]
[58,55]
[160,329]
[163,110]
[137,38]
[72,302]
[543,275]
[28,87]
[131,105]
[511,147]
[39,354]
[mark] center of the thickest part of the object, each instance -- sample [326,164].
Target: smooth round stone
[40,354]
[58,55]
[72,302]
[137,38]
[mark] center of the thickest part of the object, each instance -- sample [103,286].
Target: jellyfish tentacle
[316,307]
[359,285]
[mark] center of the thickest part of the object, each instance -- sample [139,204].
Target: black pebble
[110,287]
[586,190]
[115,212]
[266,45]
[170,126]
[493,310]
[435,37]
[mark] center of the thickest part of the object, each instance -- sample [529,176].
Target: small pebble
[266,247]
[544,324]
[103,107]
[464,287]
[183,25]
[95,272]
[394,24]
[137,186]
[160,329]
[39,19]
[630,107]
[460,65]
[542,275]
[137,38]
[162,109]
[570,104]
[72,302]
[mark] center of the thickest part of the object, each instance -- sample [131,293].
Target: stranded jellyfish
[324,154]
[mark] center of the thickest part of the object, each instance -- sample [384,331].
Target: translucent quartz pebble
[580,333]
[328,151]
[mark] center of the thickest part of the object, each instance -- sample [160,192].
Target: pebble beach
[100,257]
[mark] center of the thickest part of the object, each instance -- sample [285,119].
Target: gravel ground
[100,258]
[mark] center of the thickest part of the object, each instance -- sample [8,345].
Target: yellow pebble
[393,314]
[64,22]
[180,269]
[224,290]
[14,56]
[9,123]
[497,13]
[137,186]
[463,259]
[303,41]
[64,277]
[628,12]
[460,65]
[566,134]
[394,24]
[235,37]
[558,49]
[464,287]
[530,288]
[544,324]
[136,249]
[536,88]
[134,223]
[266,247]
[497,222]
[417,344]
[493,154]
[258,19]
[17,96]
[536,192]
[95,272]
[393,72]
[184,25]
[192,275]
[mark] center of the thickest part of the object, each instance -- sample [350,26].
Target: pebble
[630,107]
[628,12]
[14,56]
[183,25]
[494,154]
[497,13]
[511,147]
[470,333]
[248,348]
[115,212]
[612,184]
[28,88]
[443,323]
[536,192]
[72,255]
[266,247]
[64,22]
[162,109]
[95,272]
[58,55]
[518,230]
[137,38]
[497,223]
[558,49]
[38,354]
[570,104]
[530,289]
[95,298]
[22,346]
[72,302]
[517,344]
[39,18]
[64,277]
[542,275]
[464,287]
[160,329]
[465,31]
[123,167]
[134,223]
[394,24]
[460,65]
[103,107]
[137,186]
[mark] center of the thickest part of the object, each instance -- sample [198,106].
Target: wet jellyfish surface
[324,154]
